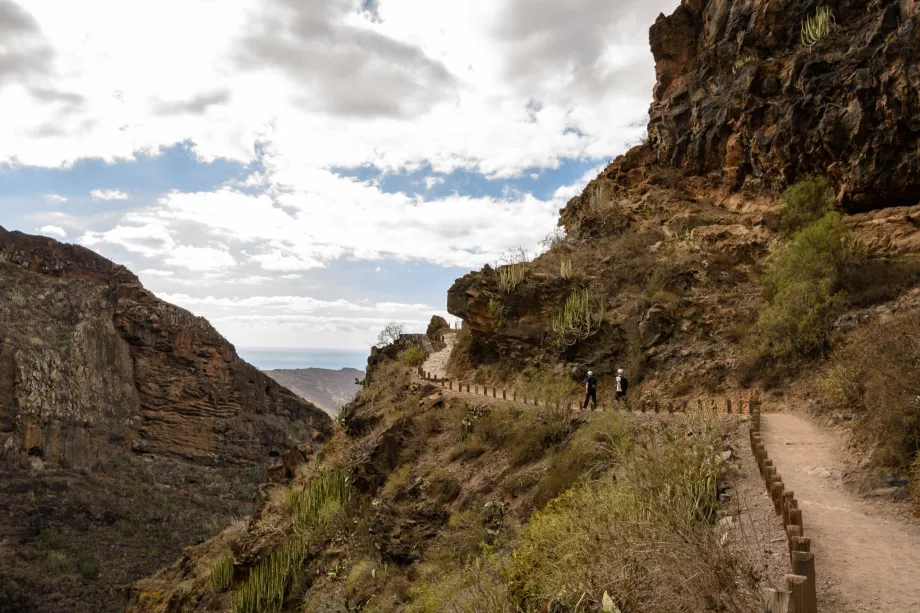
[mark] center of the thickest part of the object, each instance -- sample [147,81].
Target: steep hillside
[128,426]
[671,239]
[422,503]
[327,389]
[764,238]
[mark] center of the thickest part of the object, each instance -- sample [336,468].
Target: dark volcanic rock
[740,100]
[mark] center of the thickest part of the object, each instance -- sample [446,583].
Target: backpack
[624,384]
[592,383]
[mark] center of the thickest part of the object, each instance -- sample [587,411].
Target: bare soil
[866,557]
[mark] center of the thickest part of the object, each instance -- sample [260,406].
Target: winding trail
[866,559]
[436,363]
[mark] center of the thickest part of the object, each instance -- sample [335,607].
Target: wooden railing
[800,593]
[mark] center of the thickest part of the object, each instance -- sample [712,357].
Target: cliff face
[742,101]
[672,235]
[129,429]
[92,364]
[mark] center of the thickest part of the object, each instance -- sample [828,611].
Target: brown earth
[128,428]
[865,555]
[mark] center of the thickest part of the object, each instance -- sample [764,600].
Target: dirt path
[436,363]
[866,559]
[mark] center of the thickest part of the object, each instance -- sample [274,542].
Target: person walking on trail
[590,391]
[622,386]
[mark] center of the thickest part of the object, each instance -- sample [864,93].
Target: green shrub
[593,450]
[323,497]
[652,527]
[88,566]
[510,276]
[412,357]
[579,318]
[802,281]
[222,573]
[547,387]
[397,481]
[874,374]
[806,202]
[125,527]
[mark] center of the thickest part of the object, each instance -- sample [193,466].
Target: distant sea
[334,359]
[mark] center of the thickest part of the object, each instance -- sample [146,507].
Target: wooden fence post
[671,406]
[803,563]
[787,496]
[467,388]
[514,395]
[792,532]
[504,394]
[798,599]
[777,492]
[656,405]
[728,405]
[494,392]
[801,543]
[775,601]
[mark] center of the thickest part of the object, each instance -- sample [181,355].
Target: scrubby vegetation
[874,374]
[817,27]
[412,357]
[643,537]
[802,280]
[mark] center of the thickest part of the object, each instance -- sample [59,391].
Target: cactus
[817,27]
[565,268]
[510,276]
[579,318]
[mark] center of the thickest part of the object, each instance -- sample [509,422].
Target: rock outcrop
[437,325]
[741,101]
[92,364]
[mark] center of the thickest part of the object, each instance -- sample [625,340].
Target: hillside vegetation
[419,504]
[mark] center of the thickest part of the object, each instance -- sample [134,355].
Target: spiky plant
[580,317]
[817,27]
[222,573]
[312,504]
[510,276]
[565,268]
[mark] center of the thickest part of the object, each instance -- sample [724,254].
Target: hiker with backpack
[590,391]
[622,386]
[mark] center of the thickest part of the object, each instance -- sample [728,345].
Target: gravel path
[866,559]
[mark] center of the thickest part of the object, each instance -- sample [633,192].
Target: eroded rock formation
[92,364]
[742,101]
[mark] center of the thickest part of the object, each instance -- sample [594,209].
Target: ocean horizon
[271,358]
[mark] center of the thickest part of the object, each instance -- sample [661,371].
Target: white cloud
[378,269]
[55,198]
[152,272]
[291,321]
[108,194]
[432,181]
[425,81]
[56,231]
[200,258]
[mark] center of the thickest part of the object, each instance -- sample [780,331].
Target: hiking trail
[436,363]
[866,558]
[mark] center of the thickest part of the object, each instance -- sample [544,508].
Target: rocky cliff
[128,428]
[743,102]
[672,235]
[92,364]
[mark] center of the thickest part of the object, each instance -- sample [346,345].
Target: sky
[302,172]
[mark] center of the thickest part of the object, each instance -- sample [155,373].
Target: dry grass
[875,375]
